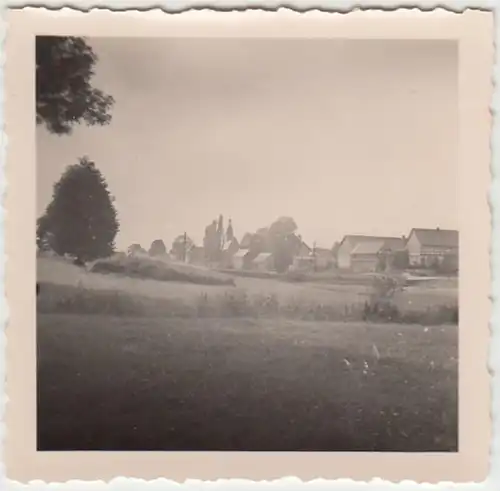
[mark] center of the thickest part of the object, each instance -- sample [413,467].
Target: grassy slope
[61,273]
[113,384]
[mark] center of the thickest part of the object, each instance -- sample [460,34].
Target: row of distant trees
[280,239]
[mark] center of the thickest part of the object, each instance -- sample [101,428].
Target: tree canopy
[136,249]
[64,93]
[280,239]
[81,219]
[157,248]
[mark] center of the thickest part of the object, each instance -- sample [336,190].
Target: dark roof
[436,237]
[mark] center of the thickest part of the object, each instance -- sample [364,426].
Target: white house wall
[414,249]
[344,255]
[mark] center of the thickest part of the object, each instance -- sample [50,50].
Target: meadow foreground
[136,383]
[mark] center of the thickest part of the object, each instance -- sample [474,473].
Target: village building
[262,262]
[302,264]
[433,247]
[323,258]
[240,259]
[317,259]
[368,254]
[303,259]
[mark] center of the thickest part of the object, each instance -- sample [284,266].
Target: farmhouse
[365,257]
[240,259]
[350,242]
[263,262]
[433,247]
[302,263]
[303,259]
[323,258]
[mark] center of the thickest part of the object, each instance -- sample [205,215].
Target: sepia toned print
[222,270]
[249,244]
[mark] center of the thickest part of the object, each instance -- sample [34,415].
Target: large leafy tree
[81,219]
[64,93]
[157,248]
[280,239]
[284,243]
[135,249]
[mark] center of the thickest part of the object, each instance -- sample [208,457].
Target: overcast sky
[344,136]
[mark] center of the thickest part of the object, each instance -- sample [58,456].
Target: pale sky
[344,136]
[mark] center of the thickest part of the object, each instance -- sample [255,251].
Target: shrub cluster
[156,269]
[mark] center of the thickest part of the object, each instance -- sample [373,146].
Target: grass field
[414,297]
[134,364]
[107,383]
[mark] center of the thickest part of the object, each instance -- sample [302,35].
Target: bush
[381,311]
[389,312]
[156,269]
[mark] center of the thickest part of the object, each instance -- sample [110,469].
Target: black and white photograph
[247,244]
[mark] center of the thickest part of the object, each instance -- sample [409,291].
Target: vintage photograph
[247,244]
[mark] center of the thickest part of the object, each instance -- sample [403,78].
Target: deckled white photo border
[218,464]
